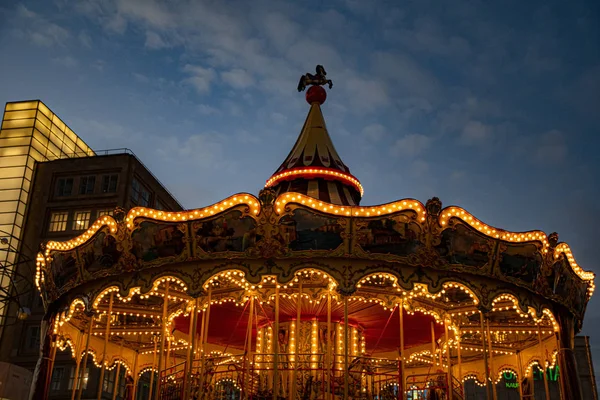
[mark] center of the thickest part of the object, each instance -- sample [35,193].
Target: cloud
[237,78]
[475,133]
[200,78]
[410,145]
[552,148]
[205,109]
[374,132]
[66,61]
[85,39]
[154,41]
[39,30]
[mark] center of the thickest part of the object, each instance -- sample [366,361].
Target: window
[109,381]
[109,183]
[64,187]
[159,205]
[139,195]
[86,184]
[32,337]
[57,377]
[101,213]
[72,378]
[58,221]
[81,220]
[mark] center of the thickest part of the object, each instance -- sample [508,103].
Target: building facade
[53,187]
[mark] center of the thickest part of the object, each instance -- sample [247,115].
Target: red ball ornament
[316,94]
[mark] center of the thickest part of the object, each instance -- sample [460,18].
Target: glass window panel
[24,196]
[18,220]
[7,218]
[56,137]
[19,114]
[68,145]
[43,129]
[42,107]
[44,120]
[36,155]
[21,105]
[101,213]
[18,132]
[58,221]
[10,142]
[14,161]
[109,183]
[10,194]
[21,208]
[18,123]
[11,183]
[64,186]
[13,151]
[58,122]
[30,162]
[12,172]
[87,184]
[26,184]
[39,147]
[8,206]
[57,378]
[81,220]
[40,137]
[16,231]
[5,228]
[54,149]
[70,134]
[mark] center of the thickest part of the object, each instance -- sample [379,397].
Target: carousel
[302,293]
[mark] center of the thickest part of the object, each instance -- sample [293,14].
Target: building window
[101,213]
[64,187]
[139,195]
[109,183]
[109,381]
[159,205]
[86,184]
[32,337]
[58,221]
[57,377]
[72,378]
[81,220]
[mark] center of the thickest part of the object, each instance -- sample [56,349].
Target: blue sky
[494,107]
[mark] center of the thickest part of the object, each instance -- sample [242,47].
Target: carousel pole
[520,377]
[459,363]
[106,335]
[151,396]
[297,340]
[448,355]
[77,364]
[203,340]
[489,339]
[433,343]
[328,368]
[85,358]
[488,393]
[543,364]
[276,345]
[346,339]
[163,335]
[187,384]
[134,374]
[249,350]
[116,386]
[401,389]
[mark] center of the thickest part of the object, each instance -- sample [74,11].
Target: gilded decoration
[425,244]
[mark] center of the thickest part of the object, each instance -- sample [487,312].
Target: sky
[492,106]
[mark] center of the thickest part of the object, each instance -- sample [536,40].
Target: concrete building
[53,187]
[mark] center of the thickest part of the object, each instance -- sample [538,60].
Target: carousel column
[401,390]
[163,335]
[115,388]
[449,367]
[106,335]
[459,361]
[485,358]
[346,340]
[85,358]
[187,384]
[297,341]
[489,338]
[328,359]
[275,339]
[569,380]
[433,360]
[248,385]
[77,363]
[543,363]
[155,339]
[134,374]
[520,376]
[204,340]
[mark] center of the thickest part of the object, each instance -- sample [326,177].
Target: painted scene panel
[304,230]
[152,241]
[396,235]
[65,271]
[99,254]
[566,285]
[522,262]
[462,245]
[229,232]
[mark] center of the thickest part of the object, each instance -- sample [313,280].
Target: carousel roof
[313,167]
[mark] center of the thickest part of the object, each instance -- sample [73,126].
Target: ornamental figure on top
[320,78]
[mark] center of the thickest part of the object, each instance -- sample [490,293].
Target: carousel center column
[569,380]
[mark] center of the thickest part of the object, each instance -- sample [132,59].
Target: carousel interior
[302,339]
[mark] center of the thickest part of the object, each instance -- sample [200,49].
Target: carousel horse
[320,78]
[357,368]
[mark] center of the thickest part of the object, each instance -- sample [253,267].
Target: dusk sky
[493,107]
